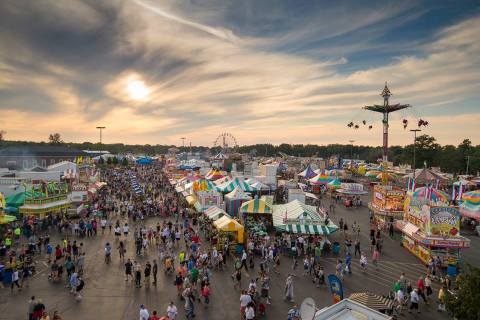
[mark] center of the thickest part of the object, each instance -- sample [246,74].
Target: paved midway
[108,296]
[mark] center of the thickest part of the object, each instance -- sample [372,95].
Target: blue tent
[144,160]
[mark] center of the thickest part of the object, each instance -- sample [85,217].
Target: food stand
[209,198]
[231,230]
[387,203]
[431,227]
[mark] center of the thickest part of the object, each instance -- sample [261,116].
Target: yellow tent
[227,224]
[3,203]
[190,200]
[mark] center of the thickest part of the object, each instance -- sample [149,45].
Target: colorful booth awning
[256,206]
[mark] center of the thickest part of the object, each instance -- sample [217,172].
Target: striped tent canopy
[203,185]
[257,206]
[214,174]
[238,193]
[297,217]
[335,183]
[321,178]
[371,300]
[214,213]
[230,186]
[222,180]
[470,207]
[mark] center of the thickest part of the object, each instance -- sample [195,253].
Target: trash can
[7,276]
[452,270]
[336,248]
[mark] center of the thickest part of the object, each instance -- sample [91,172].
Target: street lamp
[351,150]
[100,129]
[183,142]
[414,147]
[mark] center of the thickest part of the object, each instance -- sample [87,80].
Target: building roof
[40,150]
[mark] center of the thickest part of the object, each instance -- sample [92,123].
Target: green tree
[464,303]
[109,160]
[115,160]
[55,138]
[101,161]
[125,162]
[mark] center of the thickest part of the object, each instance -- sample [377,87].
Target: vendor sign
[336,287]
[444,221]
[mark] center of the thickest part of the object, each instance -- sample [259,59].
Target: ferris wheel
[226,141]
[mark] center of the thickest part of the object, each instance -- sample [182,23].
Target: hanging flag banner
[336,287]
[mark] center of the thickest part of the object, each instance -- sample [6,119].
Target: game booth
[387,203]
[319,182]
[350,194]
[256,215]
[431,227]
[299,218]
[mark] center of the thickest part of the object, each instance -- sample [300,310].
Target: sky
[270,71]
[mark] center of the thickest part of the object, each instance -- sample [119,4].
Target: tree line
[450,158]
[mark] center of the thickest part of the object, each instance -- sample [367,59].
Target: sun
[137,90]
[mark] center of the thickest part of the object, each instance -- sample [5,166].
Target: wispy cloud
[207,74]
[220,33]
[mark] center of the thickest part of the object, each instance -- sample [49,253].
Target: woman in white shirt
[249,313]
[171,311]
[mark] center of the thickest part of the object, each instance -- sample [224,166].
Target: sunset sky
[291,71]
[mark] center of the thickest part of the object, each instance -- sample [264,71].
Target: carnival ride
[226,141]
[386,109]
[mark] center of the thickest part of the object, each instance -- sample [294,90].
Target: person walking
[250,312]
[289,288]
[357,247]
[128,269]
[172,311]
[144,315]
[244,261]
[146,273]
[15,279]
[154,272]
[206,294]
[138,274]
[414,301]
[31,305]
[363,261]
[375,257]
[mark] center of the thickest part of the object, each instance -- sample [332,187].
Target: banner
[336,287]
[444,221]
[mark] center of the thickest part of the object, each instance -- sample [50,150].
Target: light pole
[100,129]
[414,149]
[351,149]
[183,142]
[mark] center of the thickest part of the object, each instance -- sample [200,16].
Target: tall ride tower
[386,109]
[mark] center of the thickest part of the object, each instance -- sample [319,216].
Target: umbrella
[372,301]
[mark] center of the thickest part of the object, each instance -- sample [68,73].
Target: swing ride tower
[386,109]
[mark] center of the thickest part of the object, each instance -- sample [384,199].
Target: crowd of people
[179,244]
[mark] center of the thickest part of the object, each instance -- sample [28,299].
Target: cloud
[208,71]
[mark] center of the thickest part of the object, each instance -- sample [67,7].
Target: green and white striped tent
[297,217]
[229,186]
